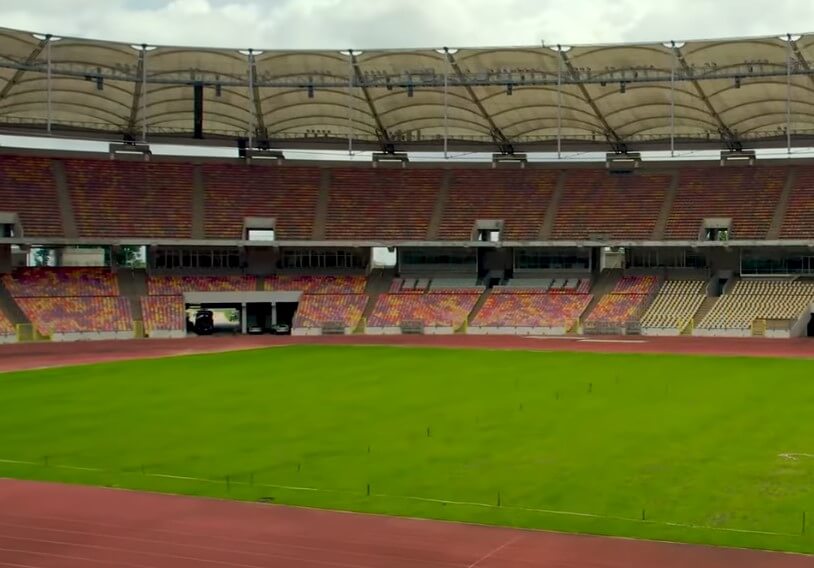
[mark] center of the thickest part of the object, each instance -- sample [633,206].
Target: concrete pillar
[273,313]
[5,258]
[243,319]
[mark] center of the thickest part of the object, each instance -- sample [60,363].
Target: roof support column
[48,82]
[144,93]
[350,102]
[559,104]
[673,103]
[250,63]
[788,96]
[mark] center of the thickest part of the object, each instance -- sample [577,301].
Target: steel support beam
[259,120]
[503,143]
[137,87]
[727,136]
[615,141]
[29,63]
[381,132]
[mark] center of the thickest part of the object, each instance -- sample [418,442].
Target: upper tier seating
[748,196]
[431,309]
[519,308]
[518,197]
[163,313]
[675,304]
[77,315]
[177,285]
[625,302]
[27,187]
[799,221]
[594,202]
[759,299]
[50,282]
[317,310]
[381,203]
[549,285]
[234,192]
[115,198]
[316,284]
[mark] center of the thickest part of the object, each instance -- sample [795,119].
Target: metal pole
[788,96]
[350,102]
[446,108]
[250,61]
[559,104]
[673,103]
[48,81]
[144,93]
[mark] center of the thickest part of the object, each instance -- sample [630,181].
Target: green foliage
[692,444]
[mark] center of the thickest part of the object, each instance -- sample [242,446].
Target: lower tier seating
[759,299]
[317,310]
[675,304]
[6,327]
[516,308]
[431,309]
[163,313]
[175,285]
[78,315]
[63,281]
[624,304]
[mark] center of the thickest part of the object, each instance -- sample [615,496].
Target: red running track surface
[44,525]
[37,355]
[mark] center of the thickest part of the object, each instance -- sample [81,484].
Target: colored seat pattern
[595,202]
[77,314]
[748,196]
[431,309]
[381,203]
[287,194]
[519,308]
[675,304]
[28,188]
[799,221]
[162,285]
[52,282]
[764,299]
[316,284]
[629,297]
[518,197]
[316,310]
[6,327]
[163,313]
[115,198]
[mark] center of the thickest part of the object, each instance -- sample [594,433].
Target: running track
[59,526]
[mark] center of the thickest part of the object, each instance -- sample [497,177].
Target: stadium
[515,347]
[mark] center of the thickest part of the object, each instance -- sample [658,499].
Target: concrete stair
[440,203]
[704,309]
[782,206]
[479,304]
[666,207]
[323,201]
[10,308]
[603,285]
[198,203]
[133,285]
[66,213]
[553,206]
[378,283]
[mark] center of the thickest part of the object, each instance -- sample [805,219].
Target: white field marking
[439,501]
[795,456]
[495,551]
[565,337]
[611,341]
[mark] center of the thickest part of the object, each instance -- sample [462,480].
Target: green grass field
[669,447]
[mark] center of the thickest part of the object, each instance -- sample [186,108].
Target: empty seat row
[317,284]
[163,313]
[318,310]
[51,282]
[174,285]
[759,299]
[432,309]
[675,304]
[519,309]
[77,315]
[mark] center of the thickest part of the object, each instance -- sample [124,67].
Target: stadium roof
[695,94]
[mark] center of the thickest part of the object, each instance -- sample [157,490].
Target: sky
[368,24]
[320,24]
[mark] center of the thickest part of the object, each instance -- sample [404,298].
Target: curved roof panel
[728,92]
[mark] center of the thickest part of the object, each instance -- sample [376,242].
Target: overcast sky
[404,23]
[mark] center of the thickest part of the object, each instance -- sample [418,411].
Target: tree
[42,256]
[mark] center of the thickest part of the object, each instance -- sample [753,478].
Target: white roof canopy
[721,93]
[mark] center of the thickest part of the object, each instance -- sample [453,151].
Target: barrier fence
[371,496]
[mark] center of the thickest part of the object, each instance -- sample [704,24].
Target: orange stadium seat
[518,197]
[799,221]
[625,302]
[27,187]
[316,284]
[6,327]
[316,310]
[382,203]
[76,315]
[32,282]
[596,202]
[161,285]
[511,308]
[287,194]
[748,196]
[163,313]
[431,309]
[113,198]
